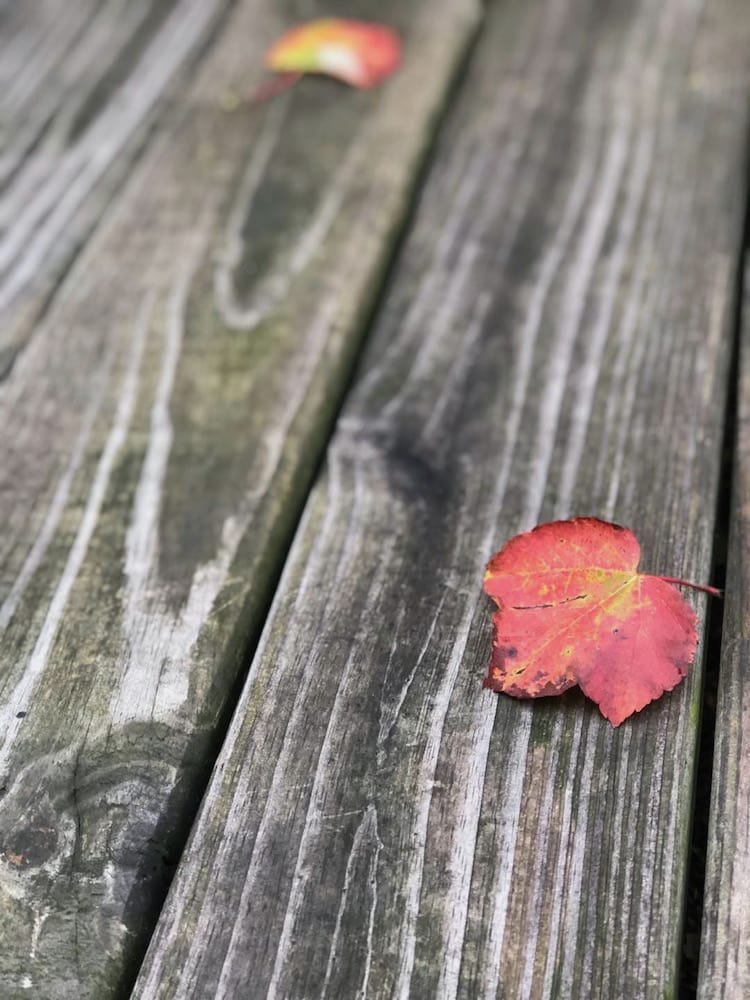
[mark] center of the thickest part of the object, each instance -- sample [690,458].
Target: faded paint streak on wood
[555,342]
[159,432]
[724,957]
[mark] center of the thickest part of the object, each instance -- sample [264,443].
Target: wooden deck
[274,383]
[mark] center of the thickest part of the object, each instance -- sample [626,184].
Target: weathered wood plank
[556,340]
[725,951]
[80,84]
[159,431]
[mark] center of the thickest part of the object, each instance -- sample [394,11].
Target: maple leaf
[573,609]
[356,52]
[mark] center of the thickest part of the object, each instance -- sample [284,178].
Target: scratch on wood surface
[365,839]
[427,769]
[389,712]
[40,915]
[373,911]
[462,853]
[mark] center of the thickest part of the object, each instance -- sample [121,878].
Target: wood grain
[725,958]
[80,85]
[159,432]
[556,341]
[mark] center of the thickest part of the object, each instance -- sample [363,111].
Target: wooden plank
[159,433]
[556,341]
[79,89]
[725,958]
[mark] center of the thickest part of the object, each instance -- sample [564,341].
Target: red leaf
[573,609]
[359,53]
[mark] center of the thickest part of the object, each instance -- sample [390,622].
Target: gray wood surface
[159,426]
[725,945]
[556,341]
[80,84]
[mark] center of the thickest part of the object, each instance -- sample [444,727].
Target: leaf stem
[270,88]
[713,591]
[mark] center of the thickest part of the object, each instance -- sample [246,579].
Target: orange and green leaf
[356,52]
[573,609]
